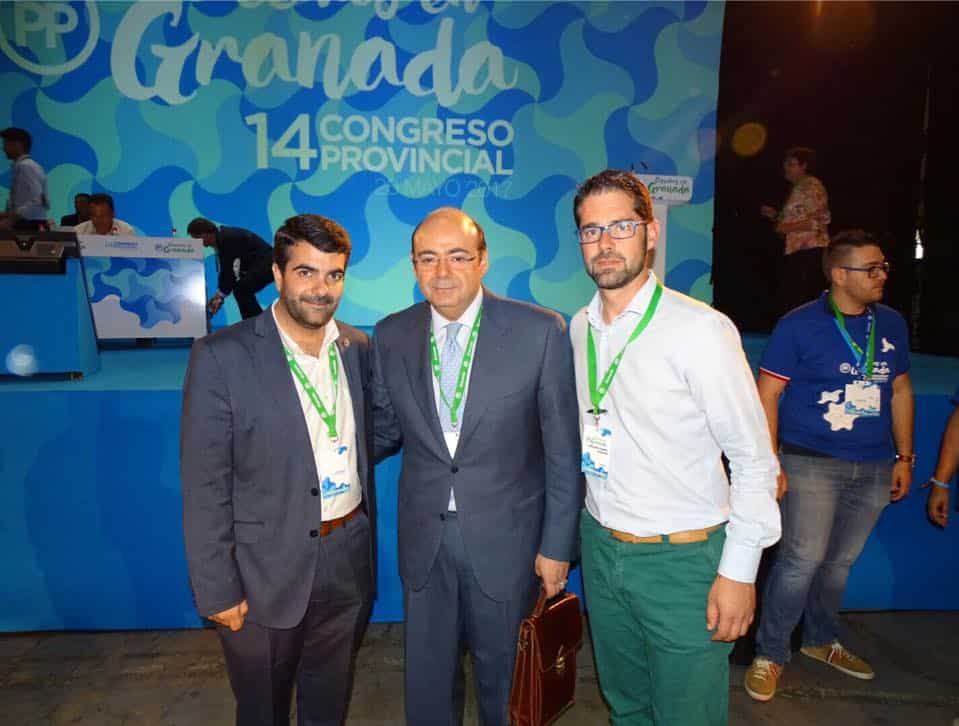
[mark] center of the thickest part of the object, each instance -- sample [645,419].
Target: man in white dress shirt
[102,218]
[28,203]
[670,547]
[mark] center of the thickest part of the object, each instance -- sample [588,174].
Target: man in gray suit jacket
[478,391]
[278,496]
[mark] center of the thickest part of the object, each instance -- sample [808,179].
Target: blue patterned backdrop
[374,114]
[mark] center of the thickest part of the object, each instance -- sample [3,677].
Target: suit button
[454,469]
[314,491]
[314,533]
[442,517]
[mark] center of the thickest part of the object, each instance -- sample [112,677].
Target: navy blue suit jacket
[248,471]
[516,473]
[236,243]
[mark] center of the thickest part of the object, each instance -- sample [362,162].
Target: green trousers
[656,661]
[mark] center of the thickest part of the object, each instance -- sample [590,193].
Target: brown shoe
[761,679]
[841,659]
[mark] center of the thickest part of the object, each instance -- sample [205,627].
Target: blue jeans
[828,513]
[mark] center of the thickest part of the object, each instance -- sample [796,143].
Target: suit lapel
[488,370]
[416,358]
[276,379]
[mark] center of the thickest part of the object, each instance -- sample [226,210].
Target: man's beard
[306,316]
[615,278]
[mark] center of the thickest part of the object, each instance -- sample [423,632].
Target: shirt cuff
[221,294]
[740,562]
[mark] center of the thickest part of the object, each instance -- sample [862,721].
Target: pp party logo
[42,37]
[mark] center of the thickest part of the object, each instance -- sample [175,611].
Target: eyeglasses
[457,260]
[873,270]
[620,229]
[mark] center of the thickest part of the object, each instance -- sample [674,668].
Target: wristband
[907,459]
[936,483]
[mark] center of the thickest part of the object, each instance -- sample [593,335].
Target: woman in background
[803,221]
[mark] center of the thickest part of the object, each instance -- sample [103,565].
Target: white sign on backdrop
[98,245]
[666,191]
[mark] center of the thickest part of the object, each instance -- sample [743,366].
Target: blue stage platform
[91,535]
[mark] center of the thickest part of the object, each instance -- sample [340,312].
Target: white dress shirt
[683,395]
[317,371]
[439,324]
[119,227]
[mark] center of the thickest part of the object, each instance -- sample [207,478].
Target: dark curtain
[850,81]
[938,308]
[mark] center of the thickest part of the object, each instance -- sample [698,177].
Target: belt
[332,524]
[686,537]
[786,448]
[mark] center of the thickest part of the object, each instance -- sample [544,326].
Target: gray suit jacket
[248,471]
[516,472]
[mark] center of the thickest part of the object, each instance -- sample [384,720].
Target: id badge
[863,399]
[597,443]
[337,482]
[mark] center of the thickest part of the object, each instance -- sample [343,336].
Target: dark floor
[176,678]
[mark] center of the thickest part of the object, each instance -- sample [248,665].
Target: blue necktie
[451,358]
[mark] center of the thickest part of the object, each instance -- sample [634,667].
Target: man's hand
[216,302]
[782,484]
[901,480]
[937,507]
[232,617]
[730,608]
[553,574]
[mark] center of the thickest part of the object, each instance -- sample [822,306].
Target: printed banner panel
[145,287]
[375,113]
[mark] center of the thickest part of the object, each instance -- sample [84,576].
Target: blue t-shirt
[807,350]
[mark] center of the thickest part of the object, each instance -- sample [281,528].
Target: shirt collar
[332,333]
[636,306]
[466,319]
[827,308]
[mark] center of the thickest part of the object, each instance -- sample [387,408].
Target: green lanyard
[597,393]
[328,418]
[454,407]
[870,354]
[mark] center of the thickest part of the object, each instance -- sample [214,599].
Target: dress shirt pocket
[247,532]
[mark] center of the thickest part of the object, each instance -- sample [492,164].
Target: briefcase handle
[541,602]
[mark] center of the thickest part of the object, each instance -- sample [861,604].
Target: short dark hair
[481,242]
[21,136]
[317,230]
[101,198]
[200,225]
[839,246]
[804,155]
[610,180]
[79,195]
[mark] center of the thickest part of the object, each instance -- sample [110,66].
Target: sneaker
[841,659]
[761,679]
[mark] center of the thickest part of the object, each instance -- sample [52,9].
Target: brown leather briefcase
[544,678]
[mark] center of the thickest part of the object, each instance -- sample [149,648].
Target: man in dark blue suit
[278,495]
[244,259]
[478,391]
